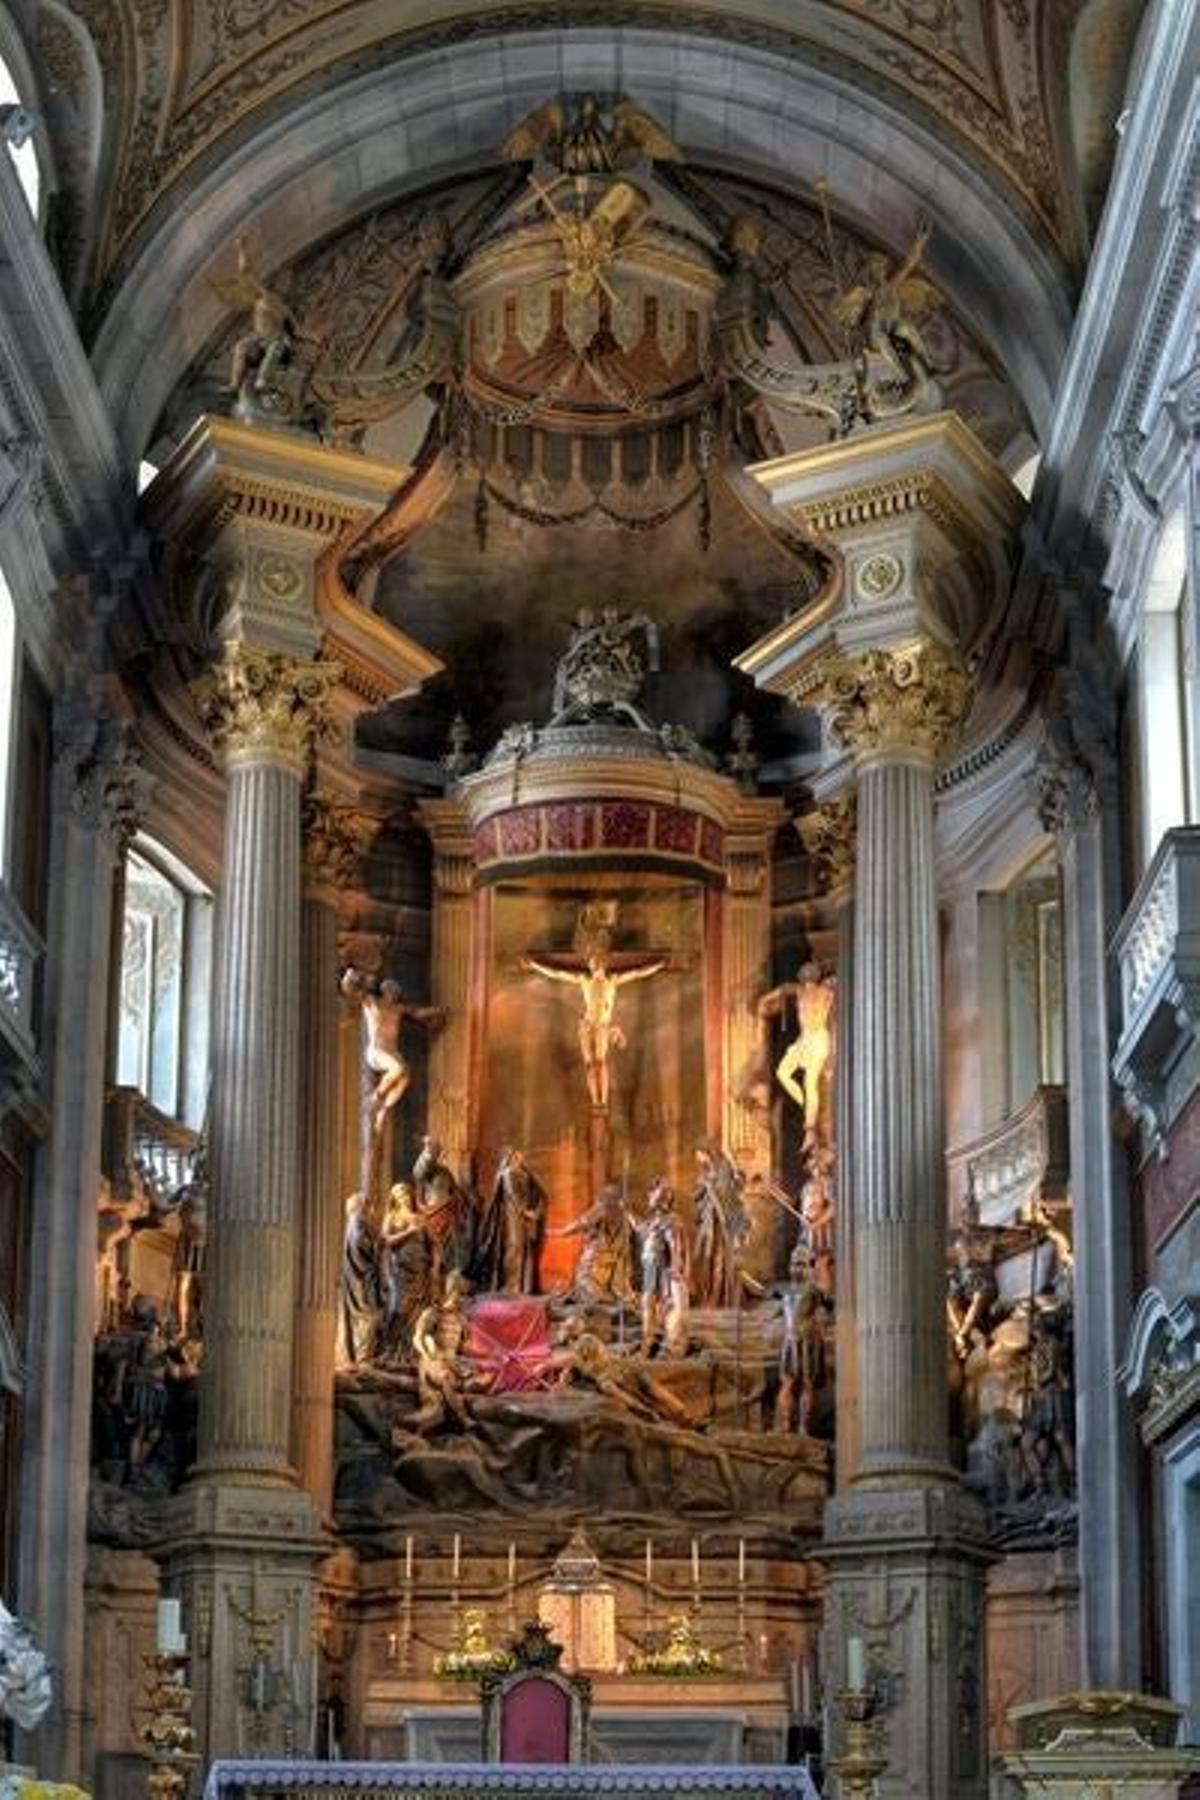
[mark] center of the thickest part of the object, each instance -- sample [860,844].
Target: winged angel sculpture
[888,370]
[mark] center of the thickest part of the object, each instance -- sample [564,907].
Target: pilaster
[455,911]
[98,793]
[1084,819]
[333,837]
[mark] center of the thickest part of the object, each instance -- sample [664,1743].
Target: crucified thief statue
[385,1010]
[599,1034]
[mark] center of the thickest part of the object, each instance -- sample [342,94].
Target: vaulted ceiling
[177,123]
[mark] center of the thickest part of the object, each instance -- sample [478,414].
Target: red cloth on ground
[509,1339]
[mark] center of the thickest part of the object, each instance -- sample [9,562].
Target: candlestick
[860,1763]
[170,1641]
[168,1731]
[856,1665]
[696,1562]
[649,1563]
[741,1562]
[408,1558]
[456,1559]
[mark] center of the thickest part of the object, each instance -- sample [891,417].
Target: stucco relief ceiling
[182,80]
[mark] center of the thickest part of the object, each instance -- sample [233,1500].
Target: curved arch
[1154,1329]
[380,134]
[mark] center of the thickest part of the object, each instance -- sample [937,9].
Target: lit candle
[856,1665]
[456,1560]
[171,1641]
[741,1562]
[696,1562]
[408,1558]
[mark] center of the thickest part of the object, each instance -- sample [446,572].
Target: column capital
[109,789]
[262,706]
[333,841]
[893,703]
[829,835]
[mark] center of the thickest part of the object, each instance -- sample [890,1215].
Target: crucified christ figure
[599,1034]
[385,1010]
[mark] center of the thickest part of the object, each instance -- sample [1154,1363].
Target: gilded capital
[829,834]
[898,702]
[334,838]
[261,706]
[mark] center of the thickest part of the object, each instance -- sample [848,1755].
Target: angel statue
[261,353]
[584,138]
[880,314]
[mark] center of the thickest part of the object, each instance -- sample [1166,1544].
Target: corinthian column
[332,842]
[921,517]
[895,711]
[262,709]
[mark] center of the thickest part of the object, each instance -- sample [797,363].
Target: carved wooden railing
[1157,946]
[1020,1162]
[147,1154]
[20,948]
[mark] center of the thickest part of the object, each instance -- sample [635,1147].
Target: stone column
[261,709]
[1107,1458]
[922,518]
[241,1542]
[330,857]
[894,710]
[903,1542]
[98,789]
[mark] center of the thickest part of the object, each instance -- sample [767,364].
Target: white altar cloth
[520,1781]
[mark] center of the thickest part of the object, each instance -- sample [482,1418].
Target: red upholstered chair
[532,1713]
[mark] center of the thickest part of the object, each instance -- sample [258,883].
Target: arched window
[161,1035]
[24,155]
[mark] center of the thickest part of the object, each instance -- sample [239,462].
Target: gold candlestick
[860,1763]
[168,1732]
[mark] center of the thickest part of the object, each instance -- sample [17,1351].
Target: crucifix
[599,974]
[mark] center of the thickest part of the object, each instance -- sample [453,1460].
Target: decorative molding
[333,838]
[830,836]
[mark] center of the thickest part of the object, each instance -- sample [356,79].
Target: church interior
[600,898]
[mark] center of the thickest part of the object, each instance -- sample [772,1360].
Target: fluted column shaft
[899,1199]
[895,710]
[261,709]
[255,1109]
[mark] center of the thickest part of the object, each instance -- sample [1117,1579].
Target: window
[1165,697]
[163,994]
[24,155]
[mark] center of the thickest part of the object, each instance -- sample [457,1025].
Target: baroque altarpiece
[569,1207]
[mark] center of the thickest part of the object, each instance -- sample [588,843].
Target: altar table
[530,1781]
